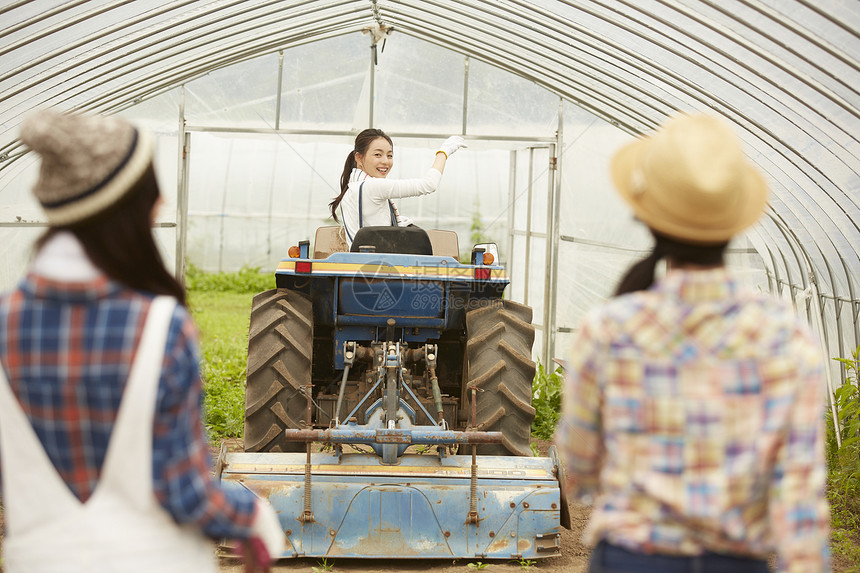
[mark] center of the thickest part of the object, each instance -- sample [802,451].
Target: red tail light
[482,274]
[303,267]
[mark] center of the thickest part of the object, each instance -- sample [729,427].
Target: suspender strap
[360,218]
[345,228]
[360,213]
[360,203]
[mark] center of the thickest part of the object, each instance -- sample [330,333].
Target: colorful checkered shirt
[67,349]
[692,417]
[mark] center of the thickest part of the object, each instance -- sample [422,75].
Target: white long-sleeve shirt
[376,193]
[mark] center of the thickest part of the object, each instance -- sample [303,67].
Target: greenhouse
[255,105]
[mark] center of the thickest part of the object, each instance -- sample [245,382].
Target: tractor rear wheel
[499,339]
[280,349]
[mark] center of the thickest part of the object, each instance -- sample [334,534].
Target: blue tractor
[415,374]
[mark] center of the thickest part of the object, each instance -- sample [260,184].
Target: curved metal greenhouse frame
[785,72]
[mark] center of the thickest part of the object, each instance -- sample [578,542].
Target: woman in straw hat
[692,409]
[104,458]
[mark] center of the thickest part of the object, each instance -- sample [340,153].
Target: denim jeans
[607,558]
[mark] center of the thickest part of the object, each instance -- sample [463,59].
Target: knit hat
[690,181]
[88,163]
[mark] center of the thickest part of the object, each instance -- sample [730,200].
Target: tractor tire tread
[280,348]
[498,350]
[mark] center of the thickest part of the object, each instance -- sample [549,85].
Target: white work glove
[403,221]
[267,527]
[452,144]
[266,543]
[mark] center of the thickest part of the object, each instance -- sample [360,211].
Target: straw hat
[690,180]
[89,163]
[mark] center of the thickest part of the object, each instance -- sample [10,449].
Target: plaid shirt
[67,349]
[692,417]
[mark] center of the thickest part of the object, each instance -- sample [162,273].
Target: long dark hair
[641,275]
[120,243]
[362,142]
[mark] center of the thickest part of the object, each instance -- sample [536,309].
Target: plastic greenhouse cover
[785,72]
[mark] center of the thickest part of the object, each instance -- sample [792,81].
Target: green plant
[534,449]
[477,565]
[843,463]
[844,459]
[245,280]
[525,564]
[546,400]
[221,305]
[847,399]
[324,566]
[222,318]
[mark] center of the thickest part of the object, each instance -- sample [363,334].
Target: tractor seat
[410,240]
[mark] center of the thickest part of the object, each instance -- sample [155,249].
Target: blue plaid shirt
[67,349]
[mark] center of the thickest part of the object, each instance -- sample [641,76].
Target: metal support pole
[553,232]
[814,307]
[372,82]
[465,93]
[512,196]
[818,322]
[855,310]
[527,262]
[184,144]
[280,89]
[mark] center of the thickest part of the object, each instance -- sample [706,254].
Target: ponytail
[641,275]
[348,166]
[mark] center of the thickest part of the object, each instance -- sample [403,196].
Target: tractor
[388,404]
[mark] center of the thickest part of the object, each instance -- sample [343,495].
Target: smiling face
[378,160]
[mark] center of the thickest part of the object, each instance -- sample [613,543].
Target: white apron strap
[31,502]
[28,500]
[127,467]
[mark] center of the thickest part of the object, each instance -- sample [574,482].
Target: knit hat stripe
[103,183]
[110,191]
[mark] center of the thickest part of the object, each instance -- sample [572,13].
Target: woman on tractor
[366,193]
